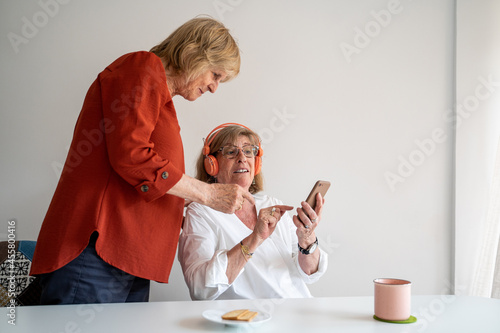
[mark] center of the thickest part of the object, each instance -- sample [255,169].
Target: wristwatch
[310,249]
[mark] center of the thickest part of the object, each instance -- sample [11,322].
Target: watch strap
[308,250]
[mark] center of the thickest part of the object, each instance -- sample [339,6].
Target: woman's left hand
[306,220]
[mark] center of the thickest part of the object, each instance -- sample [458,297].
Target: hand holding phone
[322,187]
[308,217]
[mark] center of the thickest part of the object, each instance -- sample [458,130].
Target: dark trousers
[89,279]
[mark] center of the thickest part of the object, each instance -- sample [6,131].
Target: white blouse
[272,272]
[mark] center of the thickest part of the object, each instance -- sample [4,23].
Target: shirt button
[144,188]
[164,175]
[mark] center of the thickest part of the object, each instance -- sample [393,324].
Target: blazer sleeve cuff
[165,179]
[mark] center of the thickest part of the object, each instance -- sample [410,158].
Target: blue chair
[15,282]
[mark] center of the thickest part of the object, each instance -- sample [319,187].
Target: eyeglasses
[232,151]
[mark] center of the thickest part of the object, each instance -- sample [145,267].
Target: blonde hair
[197,45]
[228,135]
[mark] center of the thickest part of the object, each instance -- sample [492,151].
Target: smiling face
[239,170]
[208,81]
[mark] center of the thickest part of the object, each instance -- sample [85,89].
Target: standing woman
[115,217]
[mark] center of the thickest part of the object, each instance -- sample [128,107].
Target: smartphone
[322,187]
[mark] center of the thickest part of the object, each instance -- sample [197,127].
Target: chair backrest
[16,285]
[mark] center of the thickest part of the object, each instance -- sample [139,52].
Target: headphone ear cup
[258,160]
[258,164]
[211,165]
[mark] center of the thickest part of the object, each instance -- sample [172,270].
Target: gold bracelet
[245,250]
[244,255]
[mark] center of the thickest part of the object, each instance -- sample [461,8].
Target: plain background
[477,145]
[360,93]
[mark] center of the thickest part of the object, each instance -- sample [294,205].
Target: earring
[253,181]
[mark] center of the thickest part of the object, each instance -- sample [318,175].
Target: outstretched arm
[226,198]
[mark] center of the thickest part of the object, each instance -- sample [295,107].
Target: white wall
[478,130]
[357,117]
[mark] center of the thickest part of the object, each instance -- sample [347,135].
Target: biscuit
[233,315]
[247,316]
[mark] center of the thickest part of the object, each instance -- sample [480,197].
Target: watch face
[312,248]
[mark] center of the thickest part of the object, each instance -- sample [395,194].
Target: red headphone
[210,162]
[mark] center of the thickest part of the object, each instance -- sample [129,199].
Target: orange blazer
[125,155]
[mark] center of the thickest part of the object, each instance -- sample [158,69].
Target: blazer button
[144,188]
[164,175]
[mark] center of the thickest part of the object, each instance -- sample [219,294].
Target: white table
[437,313]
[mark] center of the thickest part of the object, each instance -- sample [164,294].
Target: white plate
[216,317]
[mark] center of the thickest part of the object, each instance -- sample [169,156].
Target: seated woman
[258,252]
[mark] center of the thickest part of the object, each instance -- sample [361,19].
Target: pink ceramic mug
[392,299]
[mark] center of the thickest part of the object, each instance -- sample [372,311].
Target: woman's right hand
[266,224]
[228,198]
[267,220]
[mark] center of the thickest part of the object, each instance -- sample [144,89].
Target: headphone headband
[218,128]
